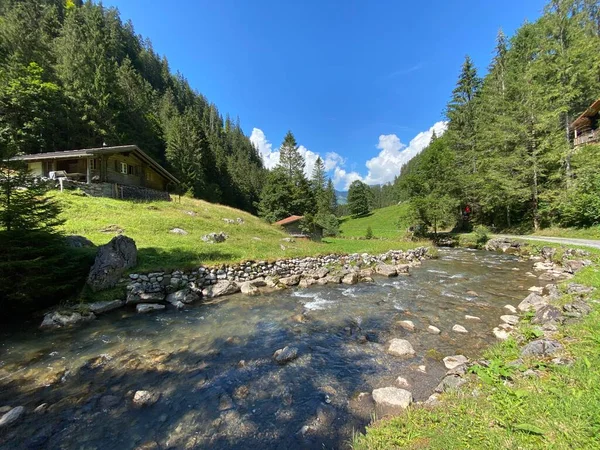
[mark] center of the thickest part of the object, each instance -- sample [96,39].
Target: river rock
[532,302]
[547,314]
[403,269]
[500,333]
[321,272]
[285,355]
[459,329]
[248,288]
[433,330]
[511,308]
[402,383]
[292,280]
[350,278]
[510,319]
[450,383]
[572,266]
[184,296]
[472,318]
[306,283]
[541,347]
[386,270]
[407,324]
[392,397]
[11,416]
[62,319]
[551,292]
[223,287]
[400,347]
[112,260]
[333,279]
[454,361]
[580,289]
[134,297]
[104,307]
[145,398]
[148,307]
[577,309]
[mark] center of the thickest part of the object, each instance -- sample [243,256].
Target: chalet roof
[86,152]
[289,220]
[583,119]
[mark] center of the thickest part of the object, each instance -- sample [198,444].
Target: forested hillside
[72,75]
[507,154]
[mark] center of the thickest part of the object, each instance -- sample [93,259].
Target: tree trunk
[508,216]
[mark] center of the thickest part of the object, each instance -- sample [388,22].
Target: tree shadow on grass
[209,399]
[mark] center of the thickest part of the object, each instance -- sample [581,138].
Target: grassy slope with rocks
[558,407]
[390,222]
[149,224]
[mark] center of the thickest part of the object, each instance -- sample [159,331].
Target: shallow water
[213,363]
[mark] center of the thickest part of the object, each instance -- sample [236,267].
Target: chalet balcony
[587,137]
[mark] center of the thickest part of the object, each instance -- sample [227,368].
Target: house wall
[36,169]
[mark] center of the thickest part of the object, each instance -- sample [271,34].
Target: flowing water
[213,366]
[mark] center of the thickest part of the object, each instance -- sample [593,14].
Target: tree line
[73,75]
[507,158]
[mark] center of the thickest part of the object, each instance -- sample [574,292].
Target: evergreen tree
[290,158]
[358,198]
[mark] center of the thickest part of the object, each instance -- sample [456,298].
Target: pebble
[11,416]
[433,330]
[473,318]
[407,325]
[459,329]
[452,362]
[511,308]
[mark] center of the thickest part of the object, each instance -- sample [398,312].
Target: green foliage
[358,199]
[494,373]
[390,222]
[369,233]
[482,234]
[73,75]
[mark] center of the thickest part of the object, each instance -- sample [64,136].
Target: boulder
[511,308]
[407,324]
[433,330]
[258,282]
[450,383]
[133,298]
[321,272]
[11,416]
[306,282]
[62,319]
[148,307]
[403,269]
[392,397]
[292,280]
[285,355]
[386,270]
[541,347]
[573,265]
[351,278]
[577,309]
[459,329]
[580,289]
[179,231]
[103,307]
[112,260]
[500,334]
[145,398]
[510,319]
[400,347]
[184,296]
[547,314]
[75,241]
[215,238]
[551,292]
[452,362]
[333,279]
[222,287]
[247,288]
[532,302]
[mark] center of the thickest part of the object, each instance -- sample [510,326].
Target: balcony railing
[587,137]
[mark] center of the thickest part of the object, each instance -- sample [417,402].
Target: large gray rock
[145,398]
[392,397]
[104,307]
[577,309]
[215,237]
[350,278]
[450,383]
[532,302]
[452,362]
[547,314]
[541,347]
[248,288]
[76,241]
[400,347]
[112,260]
[580,289]
[285,354]
[184,296]
[62,319]
[386,270]
[133,298]
[148,307]
[11,416]
[292,280]
[223,287]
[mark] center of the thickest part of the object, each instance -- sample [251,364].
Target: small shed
[291,225]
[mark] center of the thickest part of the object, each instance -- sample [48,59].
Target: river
[213,367]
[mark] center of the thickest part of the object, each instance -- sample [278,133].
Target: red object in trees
[467,209]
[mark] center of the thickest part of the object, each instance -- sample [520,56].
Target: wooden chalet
[585,128]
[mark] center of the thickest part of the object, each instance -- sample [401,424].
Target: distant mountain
[342,197]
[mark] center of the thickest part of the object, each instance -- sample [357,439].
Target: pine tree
[290,158]
[358,198]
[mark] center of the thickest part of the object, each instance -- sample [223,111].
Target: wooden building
[291,225]
[585,128]
[116,168]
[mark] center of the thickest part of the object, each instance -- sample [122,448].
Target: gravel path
[557,240]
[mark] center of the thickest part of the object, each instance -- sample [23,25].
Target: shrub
[482,233]
[369,233]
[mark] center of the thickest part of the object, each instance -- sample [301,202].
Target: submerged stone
[400,347]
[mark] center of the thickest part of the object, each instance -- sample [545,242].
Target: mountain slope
[389,222]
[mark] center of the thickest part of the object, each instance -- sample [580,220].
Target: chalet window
[124,168]
[94,164]
[130,170]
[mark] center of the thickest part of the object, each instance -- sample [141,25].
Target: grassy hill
[149,224]
[390,222]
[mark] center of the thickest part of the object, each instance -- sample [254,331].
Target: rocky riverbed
[293,368]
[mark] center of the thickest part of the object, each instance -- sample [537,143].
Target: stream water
[213,367]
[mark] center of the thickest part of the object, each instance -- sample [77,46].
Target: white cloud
[394,154]
[381,169]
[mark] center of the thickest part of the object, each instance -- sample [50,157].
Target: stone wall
[113,190]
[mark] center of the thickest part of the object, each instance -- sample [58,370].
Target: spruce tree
[358,198]
[290,158]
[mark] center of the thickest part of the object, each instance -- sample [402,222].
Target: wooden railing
[587,137]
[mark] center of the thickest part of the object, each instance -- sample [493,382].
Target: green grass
[390,223]
[502,408]
[576,233]
[158,249]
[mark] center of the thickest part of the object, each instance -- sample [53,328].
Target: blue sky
[360,83]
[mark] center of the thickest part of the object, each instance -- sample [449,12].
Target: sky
[362,84]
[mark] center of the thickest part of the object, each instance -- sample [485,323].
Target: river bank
[537,389]
[210,375]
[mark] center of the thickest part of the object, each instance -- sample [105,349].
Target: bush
[482,233]
[38,270]
[369,233]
